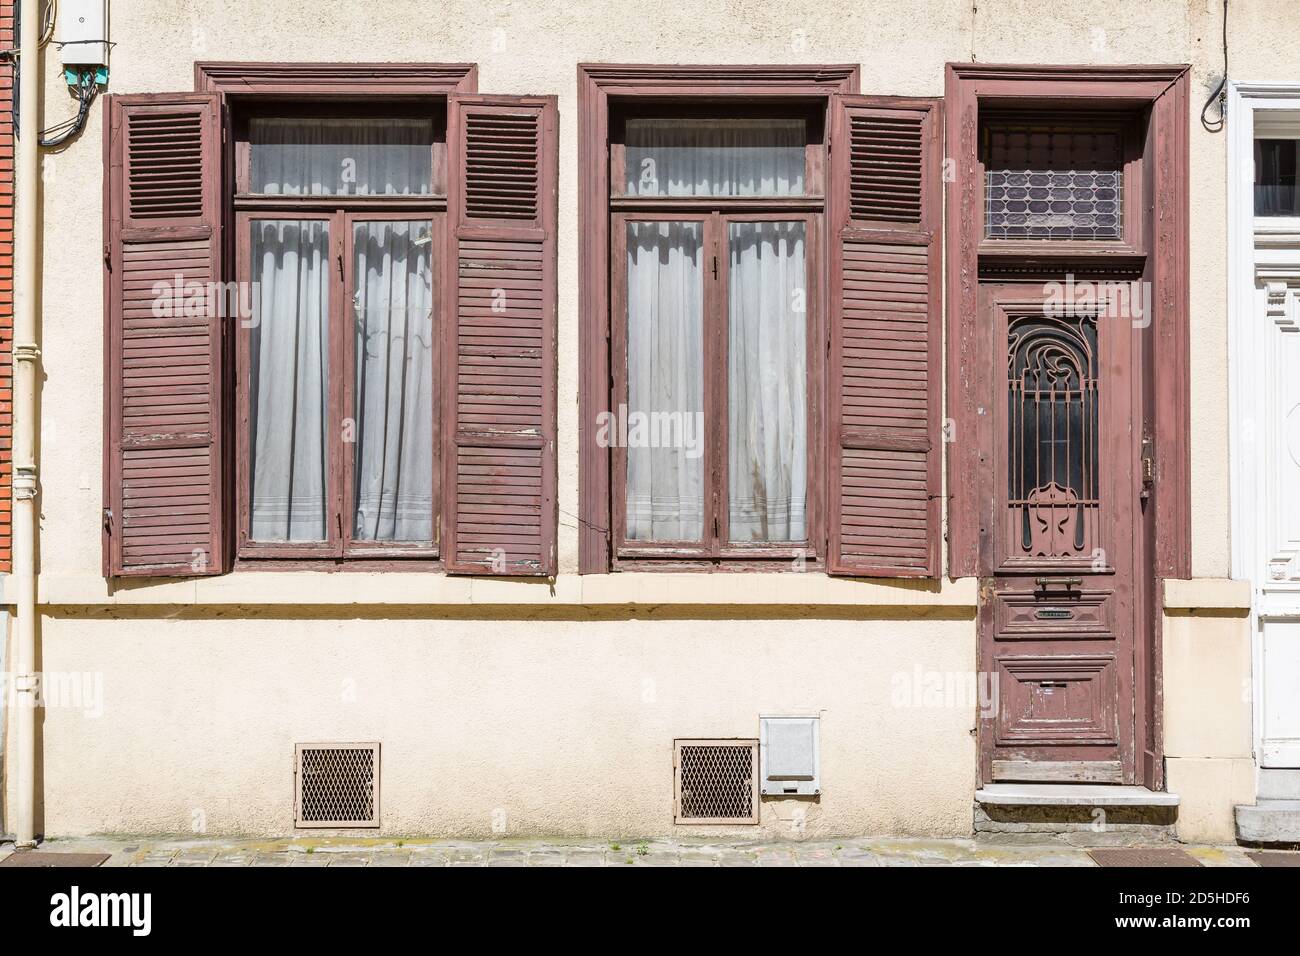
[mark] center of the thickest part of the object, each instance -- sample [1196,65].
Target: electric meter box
[790,756]
[83,32]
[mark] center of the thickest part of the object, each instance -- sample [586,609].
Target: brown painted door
[1061,532]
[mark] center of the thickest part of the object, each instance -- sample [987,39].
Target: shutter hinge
[108,255]
[108,520]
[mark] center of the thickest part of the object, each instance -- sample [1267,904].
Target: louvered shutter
[885,337]
[163,337]
[500,446]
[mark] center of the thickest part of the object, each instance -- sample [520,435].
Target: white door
[1265,210]
[1278,571]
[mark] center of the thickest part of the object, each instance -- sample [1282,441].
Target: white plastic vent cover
[714,781]
[336,785]
[792,758]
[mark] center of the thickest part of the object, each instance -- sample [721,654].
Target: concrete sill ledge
[257,588]
[1072,795]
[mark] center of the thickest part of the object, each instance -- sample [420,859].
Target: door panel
[1059,623]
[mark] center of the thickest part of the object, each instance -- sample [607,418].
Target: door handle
[1065,584]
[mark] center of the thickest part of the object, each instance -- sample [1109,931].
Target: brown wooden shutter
[163,337]
[500,377]
[884,382]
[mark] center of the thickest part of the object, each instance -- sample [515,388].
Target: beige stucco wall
[1209,758]
[489,697]
[535,725]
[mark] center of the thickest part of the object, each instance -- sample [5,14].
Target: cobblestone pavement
[393,852]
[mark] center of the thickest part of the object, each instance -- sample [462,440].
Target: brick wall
[7,42]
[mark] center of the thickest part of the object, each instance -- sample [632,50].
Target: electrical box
[83,32]
[790,758]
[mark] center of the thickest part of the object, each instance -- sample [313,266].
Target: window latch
[715,268]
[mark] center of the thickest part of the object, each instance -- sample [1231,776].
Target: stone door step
[1269,821]
[1072,795]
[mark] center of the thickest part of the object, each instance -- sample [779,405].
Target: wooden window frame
[715,545]
[758,89]
[246,88]
[340,542]
[1132,241]
[299,108]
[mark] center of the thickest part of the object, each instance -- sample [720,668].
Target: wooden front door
[1062,614]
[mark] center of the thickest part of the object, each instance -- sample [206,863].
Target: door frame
[1278,263]
[1164,255]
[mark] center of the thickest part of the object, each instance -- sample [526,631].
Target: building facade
[498,421]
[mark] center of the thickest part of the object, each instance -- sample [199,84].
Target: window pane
[289,390]
[767,393]
[393,451]
[1275,177]
[1046,182]
[341,157]
[664,417]
[715,157]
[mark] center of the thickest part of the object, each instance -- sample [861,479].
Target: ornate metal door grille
[1052,395]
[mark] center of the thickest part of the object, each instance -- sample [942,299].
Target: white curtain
[1276,182]
[345,157]
[393,308]
[665,485]
[290,379]
[714,157]
[767,382]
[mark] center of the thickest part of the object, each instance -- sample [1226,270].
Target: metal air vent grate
[714,781]
[336,785]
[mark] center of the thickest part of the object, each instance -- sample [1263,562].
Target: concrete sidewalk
[338,851]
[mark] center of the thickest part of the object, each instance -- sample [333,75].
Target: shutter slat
[885,335]
[501,387]
[164,412]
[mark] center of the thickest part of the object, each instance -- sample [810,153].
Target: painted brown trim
[924,233]
[340,543]
[335,79]
[1166,264]
[153,235]
[389,84]
[467,225]
[597,82]
[1164,88]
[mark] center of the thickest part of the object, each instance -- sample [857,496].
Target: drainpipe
[26,357]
